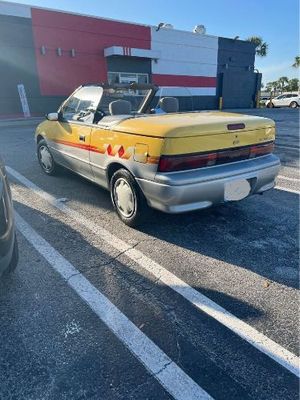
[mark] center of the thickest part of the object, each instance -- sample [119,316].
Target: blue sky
[277,21]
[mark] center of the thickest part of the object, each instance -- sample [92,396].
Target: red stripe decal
[80,146]
[184,80]
[111,151]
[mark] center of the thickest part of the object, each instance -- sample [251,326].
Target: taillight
[208,159]
[231,155]
[188,161]
[261,149]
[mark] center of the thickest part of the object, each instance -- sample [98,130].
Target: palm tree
[293,85]
[297,62]
[261,47]
[283,83]
[272,86]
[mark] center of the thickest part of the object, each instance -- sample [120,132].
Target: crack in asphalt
[156,374]
[114,258]
[72,276]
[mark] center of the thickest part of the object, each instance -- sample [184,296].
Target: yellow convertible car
[158,157]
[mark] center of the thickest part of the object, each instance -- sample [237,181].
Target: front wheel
[127,198]
[45,158]
[293,104]
[270,105]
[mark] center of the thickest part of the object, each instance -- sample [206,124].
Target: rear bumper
[196,189]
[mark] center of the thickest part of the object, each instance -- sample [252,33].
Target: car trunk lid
[193,124]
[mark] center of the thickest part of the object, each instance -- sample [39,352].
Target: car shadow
[252,234]
[92,261]
[151,306]
[115,279]
[259,234]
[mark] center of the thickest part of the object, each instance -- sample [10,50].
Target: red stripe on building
[184,80]
[59,76]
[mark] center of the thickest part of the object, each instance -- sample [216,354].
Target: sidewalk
[20,122]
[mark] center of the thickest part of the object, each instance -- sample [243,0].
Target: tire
[45,158]
[14,259]
[270,105]
[127,198]
[293,104]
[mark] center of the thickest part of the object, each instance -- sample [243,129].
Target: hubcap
[124,198]
[46,158]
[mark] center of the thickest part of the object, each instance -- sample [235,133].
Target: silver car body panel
[201,188]
[7,238]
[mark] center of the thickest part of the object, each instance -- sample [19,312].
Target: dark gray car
[8,242]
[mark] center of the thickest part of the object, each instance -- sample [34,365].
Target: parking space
[194,306]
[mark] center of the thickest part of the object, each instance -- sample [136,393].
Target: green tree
[261,47]
[272,86]
[283,83]
[293,85]
[297,62]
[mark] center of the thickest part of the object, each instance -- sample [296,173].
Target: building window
[127,77]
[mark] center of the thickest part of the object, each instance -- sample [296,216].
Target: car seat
[119,107]
[169,104]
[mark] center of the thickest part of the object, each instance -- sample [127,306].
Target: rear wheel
[127,198]
[293,104]
[45,158]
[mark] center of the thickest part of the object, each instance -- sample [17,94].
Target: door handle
[82,138]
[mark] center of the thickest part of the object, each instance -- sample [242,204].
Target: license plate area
[236,190]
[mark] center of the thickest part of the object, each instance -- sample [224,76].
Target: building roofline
[70,12]
[101,18]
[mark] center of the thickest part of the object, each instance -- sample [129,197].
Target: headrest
[120,107]
[169,104]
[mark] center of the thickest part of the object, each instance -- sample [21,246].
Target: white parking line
[203,303]
[289,178]
[170,376]
[287,189]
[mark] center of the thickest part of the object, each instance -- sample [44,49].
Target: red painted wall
[184,80]
[59,76]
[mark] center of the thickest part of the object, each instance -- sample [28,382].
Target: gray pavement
[243,256]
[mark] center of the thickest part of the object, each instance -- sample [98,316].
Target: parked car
[8,242]
[284,100]
[174,162]
[263,100]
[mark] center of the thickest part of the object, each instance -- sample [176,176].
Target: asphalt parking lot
[195,306]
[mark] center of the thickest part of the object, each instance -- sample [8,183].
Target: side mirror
[52,116]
